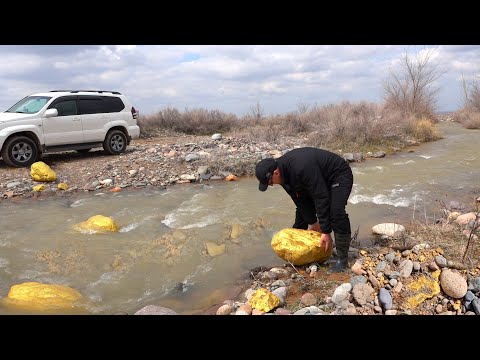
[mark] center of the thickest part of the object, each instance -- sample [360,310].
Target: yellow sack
[299,246]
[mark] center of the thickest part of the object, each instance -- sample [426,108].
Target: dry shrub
[423,130]
[272,128]
[471,95]
[348,125]
[196,121]
[226,164]
[468,118]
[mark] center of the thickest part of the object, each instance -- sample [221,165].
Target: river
[158,257]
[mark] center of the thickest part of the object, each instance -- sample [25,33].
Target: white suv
[62,120]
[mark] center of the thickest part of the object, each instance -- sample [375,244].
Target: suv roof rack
[97,91]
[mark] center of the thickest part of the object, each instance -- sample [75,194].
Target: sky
[230,78]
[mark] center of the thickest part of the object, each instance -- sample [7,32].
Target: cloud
[231,78]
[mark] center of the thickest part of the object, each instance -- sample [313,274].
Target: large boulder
[97,223]
[38,297]
[299,247]
[42,172]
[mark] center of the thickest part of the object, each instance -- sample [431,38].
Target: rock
[192,157]
[236,231]
[299,246]
[39,297]
[453,284]
[406,268]
[244,309]
[155,310]
[363,293]
[264,300]
[281,293]
[357,268]
[283,311]
[388,229]
[97,223]
[341,293]
[40,171]
[225,310]
[214,249]
[465,218]
[308,299]
[385,299]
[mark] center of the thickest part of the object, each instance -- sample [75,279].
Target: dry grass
[347,126]
[470,119]
[423,130]
[438,231]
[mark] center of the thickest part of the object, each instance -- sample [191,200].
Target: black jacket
[308,174]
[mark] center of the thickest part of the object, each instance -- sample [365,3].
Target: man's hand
[315,227]
[326,242]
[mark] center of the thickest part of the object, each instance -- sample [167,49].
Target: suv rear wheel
[115,142]
[20,151]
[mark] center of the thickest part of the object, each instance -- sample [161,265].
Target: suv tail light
[134,113]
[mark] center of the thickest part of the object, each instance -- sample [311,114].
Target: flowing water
[158,256]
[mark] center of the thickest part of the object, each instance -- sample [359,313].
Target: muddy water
[158,256]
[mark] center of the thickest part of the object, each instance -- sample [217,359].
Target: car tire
[20,151]
[83,151]
[115,142]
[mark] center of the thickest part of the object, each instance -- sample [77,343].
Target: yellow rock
[231,177]
[214,249]
[38,297]
[363,252]
[237,230]
[264,300]
[299,246]
[62,186]
[97,223]
[42,172]
[424,288]
[39,188]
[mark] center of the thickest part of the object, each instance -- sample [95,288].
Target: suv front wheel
[115,142]
[20,151]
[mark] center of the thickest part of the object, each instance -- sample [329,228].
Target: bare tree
[411,88]
[302,107]
[471,95]
[257,111]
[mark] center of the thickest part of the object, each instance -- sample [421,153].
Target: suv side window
[90,105]
[66,107]
[112,104]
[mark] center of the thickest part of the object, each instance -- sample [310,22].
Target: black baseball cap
[264,171]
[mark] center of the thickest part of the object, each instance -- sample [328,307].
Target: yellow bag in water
[299,246]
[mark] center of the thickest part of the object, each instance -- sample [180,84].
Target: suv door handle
[76,119]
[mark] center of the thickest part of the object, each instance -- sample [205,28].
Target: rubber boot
[342,243]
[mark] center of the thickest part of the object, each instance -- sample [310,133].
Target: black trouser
[339,195]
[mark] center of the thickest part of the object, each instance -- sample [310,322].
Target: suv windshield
[29,105]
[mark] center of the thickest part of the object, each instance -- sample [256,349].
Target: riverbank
[159,162]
